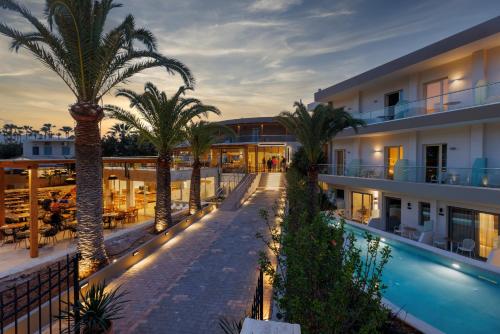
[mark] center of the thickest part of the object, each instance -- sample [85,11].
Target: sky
[250,57]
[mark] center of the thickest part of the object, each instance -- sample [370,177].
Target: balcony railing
[257,139]
[473,177]
[481,95]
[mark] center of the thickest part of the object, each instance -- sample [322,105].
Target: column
[129,189]
[2,196]
[33,194]
[245,158]
[476,142]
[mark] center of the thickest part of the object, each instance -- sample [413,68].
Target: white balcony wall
[492,144]
[493,65]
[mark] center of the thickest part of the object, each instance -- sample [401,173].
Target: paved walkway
[205,272]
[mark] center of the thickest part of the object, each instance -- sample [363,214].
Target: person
[269,164]
[283,164]
[264,164]
[275,163]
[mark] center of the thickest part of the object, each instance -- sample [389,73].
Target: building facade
[258,140]
[49,148]
[428,161]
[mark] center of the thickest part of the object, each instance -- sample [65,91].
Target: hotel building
[427,164]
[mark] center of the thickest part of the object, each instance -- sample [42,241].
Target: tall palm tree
[90,59]
[67,130]
[313,130]
[201,136]
[47,129]
[161,121]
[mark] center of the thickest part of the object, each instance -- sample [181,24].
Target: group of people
[274,164]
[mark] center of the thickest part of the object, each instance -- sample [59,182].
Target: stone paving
[207,271]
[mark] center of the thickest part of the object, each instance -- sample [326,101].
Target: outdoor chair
[467,246]
[121,218]
[398,229]
[48,235]
[20,237]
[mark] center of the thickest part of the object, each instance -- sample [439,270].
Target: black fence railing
[257,311]
[28,307]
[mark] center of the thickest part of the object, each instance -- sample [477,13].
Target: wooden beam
[2,198]
[33,193]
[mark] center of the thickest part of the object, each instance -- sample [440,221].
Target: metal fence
[257,311]
[32,306]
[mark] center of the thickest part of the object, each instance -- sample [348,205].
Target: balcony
[473,97]
[481,185]
[257,139]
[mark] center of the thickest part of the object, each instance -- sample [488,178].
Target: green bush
[323,281]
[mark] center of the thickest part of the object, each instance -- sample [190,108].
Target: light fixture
[166,233]
[114,260]
[112,177]
[455,265]
[377,150]
[135,253]
[382,239]
[84,285]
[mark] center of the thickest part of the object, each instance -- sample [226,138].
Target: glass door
[488,233]
[436,94]
[435,162]
[340,162]
[393,154]
[392,213]
[361,207]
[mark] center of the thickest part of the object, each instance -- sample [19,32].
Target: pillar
[33,195]
[129,193]
[2,196]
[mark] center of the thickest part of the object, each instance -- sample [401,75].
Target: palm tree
[161,121]
[67,130]
[47,130]
[91,60]
[201,136]
[313,130]
[122,130]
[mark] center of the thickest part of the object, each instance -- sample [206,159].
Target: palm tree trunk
[163,212]
[312,185]
[194,190]
[89,189]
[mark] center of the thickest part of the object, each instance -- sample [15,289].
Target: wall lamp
[135,253]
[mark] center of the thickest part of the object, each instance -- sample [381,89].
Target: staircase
[271,181]
[241,193]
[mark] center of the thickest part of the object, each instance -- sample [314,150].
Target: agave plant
[231,326]
[96,310]
[78,44]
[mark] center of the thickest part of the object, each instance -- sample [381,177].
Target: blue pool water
[426,285]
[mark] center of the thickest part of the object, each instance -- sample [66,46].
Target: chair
[467,246]
[49,235]
[398,229]
[21,236]
[121,218]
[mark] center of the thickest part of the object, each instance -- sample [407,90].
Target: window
[436,94]
[66,150]
[35,150]
[436,157]
[424,213]
[47,149]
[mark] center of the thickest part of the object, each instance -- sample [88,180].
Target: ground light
[455,265]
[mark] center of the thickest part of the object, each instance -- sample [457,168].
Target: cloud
[321,15]
[273,5]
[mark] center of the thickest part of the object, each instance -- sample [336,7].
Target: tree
[67,130]
[91,60]
[47,130]
[121,130]
[201,136]
[313,130]
[161,121]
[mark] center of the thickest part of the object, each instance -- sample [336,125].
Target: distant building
[49,148]
[257,141]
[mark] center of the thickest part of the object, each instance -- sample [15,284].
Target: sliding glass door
[361,207]
[479,226]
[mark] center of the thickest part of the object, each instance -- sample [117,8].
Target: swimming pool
[450,296]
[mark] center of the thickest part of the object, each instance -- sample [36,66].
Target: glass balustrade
[475,177]
[481,95]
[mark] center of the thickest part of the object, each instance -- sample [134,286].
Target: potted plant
[96,310]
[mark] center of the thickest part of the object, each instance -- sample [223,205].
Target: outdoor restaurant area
[38,205]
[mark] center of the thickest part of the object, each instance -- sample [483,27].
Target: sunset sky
[252,57]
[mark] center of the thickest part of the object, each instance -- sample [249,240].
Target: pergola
[32,167]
